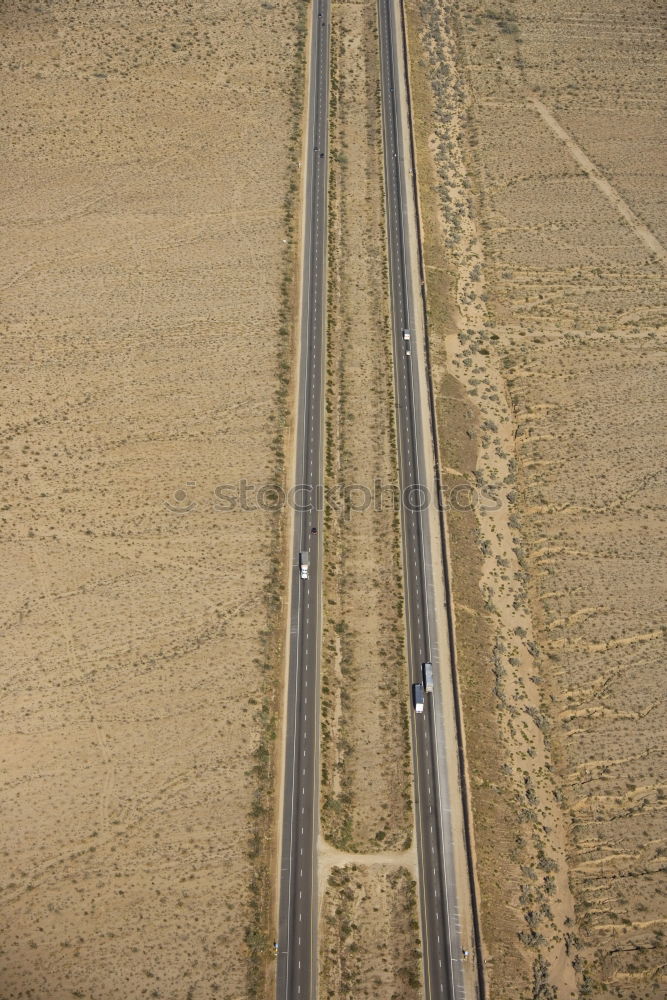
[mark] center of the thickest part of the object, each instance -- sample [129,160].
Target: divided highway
[441,944]
[297,933]
[297,951]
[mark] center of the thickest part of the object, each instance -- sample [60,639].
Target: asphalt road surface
[441,943]
[297,933]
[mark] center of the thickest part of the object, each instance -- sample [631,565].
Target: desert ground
[370,941]
[146,272]
[542,194]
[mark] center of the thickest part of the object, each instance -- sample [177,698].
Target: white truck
[418,697]
[303,565]
[427,671]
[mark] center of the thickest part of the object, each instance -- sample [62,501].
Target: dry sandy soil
[371,944]
[144,251]
[542,176]
[366,778]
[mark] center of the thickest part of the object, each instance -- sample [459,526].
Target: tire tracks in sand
[108,782]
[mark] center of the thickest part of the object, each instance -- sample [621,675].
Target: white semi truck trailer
[303,565]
